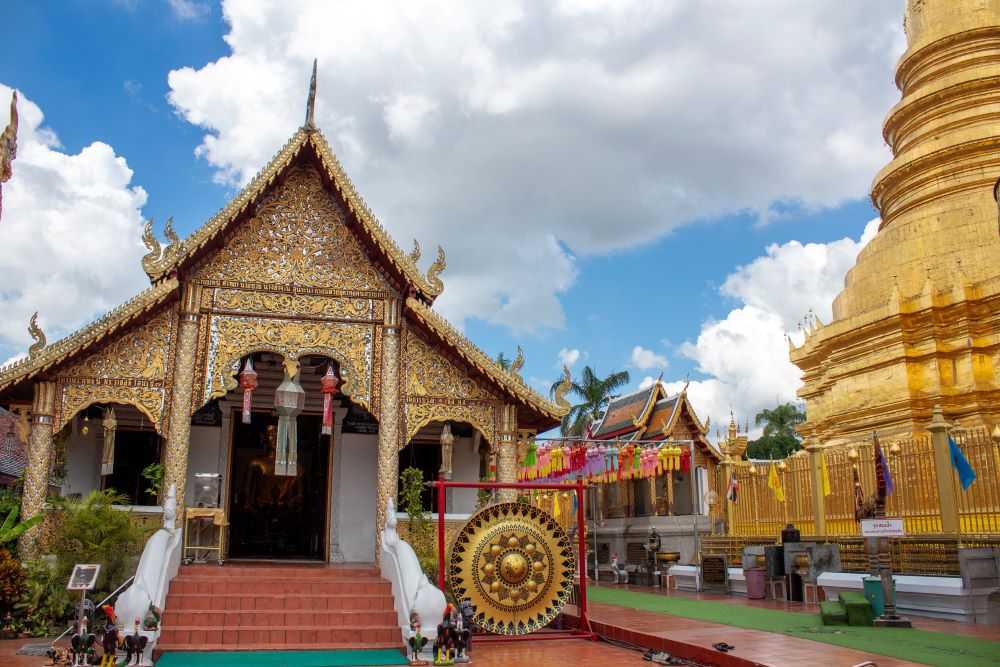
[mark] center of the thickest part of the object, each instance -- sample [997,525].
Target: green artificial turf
[280,658]
[923,646]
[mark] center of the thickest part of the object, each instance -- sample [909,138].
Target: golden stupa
[918,321]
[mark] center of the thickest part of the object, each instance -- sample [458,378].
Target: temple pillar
[389,432]
[815,450]
[175,463]
[507,458]
[36,472]
[945,477]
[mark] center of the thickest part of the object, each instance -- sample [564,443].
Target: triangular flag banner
[774,483]
[890,486]
[826,477]
[734,488]
[966,475]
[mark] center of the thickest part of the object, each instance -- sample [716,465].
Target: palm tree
[781,421]
[595,394]
[503,362]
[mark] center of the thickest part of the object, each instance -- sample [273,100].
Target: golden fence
[915,499]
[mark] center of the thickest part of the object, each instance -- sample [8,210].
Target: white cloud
[568,357]
[521,134]
[646,359]
[70,234]
[188,10]
[745,354]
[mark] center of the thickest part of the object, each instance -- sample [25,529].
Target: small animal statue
[417,641]
[444,645]
[109,637]
[462,636]
[135,644]
[82,645]
[467,611]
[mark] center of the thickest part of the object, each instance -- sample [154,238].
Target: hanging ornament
[447,449]
[85,429]
[289,399]
[328,385]
[108,456]
[248,380]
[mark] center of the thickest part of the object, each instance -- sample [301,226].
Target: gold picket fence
[758,513]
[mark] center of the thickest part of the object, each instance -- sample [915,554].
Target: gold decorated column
[507,459]
[389,433]
[727,474]
[815,449]
[175,464]
[36,472]
[945,477]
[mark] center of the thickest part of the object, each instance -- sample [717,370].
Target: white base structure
[933,597]
[158,564]
[411,590]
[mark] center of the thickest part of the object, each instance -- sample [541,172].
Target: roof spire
[311,100]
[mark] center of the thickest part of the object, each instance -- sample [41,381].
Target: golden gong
[516,565]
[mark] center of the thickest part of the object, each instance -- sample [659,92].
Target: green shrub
[12,582]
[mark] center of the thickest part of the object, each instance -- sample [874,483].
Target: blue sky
[603,176]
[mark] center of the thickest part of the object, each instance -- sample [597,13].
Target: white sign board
[882,528]
[83,578]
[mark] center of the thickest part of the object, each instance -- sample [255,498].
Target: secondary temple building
[297,282]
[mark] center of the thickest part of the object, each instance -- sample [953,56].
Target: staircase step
[272,638]
[312,571]
[194,602]
[266,646]
[288,585]
[237,619]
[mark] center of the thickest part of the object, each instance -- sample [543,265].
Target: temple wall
[357,497]
[83,463]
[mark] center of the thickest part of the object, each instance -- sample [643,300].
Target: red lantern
[328,385]
[248,380]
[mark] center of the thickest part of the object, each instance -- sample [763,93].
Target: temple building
[676,503]
[918,321]
[291,295]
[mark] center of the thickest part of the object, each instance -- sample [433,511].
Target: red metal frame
[583,629]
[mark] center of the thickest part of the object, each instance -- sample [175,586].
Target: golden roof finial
[310,124]
[36,333]
[415,254]
[562,389]
[434,273]
[518,363]
[8,146]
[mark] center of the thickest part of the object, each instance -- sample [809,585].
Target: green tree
[779,438]
[503,362]
[595,393]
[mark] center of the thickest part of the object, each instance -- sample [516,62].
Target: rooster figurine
[135,644]
[109,638]
[82,645]
[417,641]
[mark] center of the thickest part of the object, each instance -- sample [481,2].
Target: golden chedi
[918,321]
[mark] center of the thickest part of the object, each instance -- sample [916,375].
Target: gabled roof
[94,332]
[662,417]
[628,412]
[160,263]
[508,380]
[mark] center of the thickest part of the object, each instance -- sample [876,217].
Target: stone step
[237,619]
[287,586]
[266,646]
[269,637]
[250,571]
[199,602]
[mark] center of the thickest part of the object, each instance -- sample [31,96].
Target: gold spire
[310,123]
[434,272]
[518,362]
[36,333]
[415,254]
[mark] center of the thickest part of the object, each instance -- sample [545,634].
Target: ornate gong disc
[516,565]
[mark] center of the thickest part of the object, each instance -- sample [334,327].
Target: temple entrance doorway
[278,516]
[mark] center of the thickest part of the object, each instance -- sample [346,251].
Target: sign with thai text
[882,528]
[84,577]
[714,573]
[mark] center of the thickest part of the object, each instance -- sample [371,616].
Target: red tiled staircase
[278,607]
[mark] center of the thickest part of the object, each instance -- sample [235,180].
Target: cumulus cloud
[568,357]
[645,359]
[745,354]
[70,234]
[520,135]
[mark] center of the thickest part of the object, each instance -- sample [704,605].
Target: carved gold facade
[918,321]
[295,265]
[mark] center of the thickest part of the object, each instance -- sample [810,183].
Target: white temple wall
[83,461]
[204,455]
[356,520]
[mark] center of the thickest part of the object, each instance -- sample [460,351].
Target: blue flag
[889,485]
[966,475]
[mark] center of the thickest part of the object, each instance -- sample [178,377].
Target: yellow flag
[774,483]
[826,477]
[555,505]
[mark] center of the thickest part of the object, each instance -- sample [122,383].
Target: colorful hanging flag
[966,475]
[555,505]
[734,488]
[889,485]
[826,477]
[774,483]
